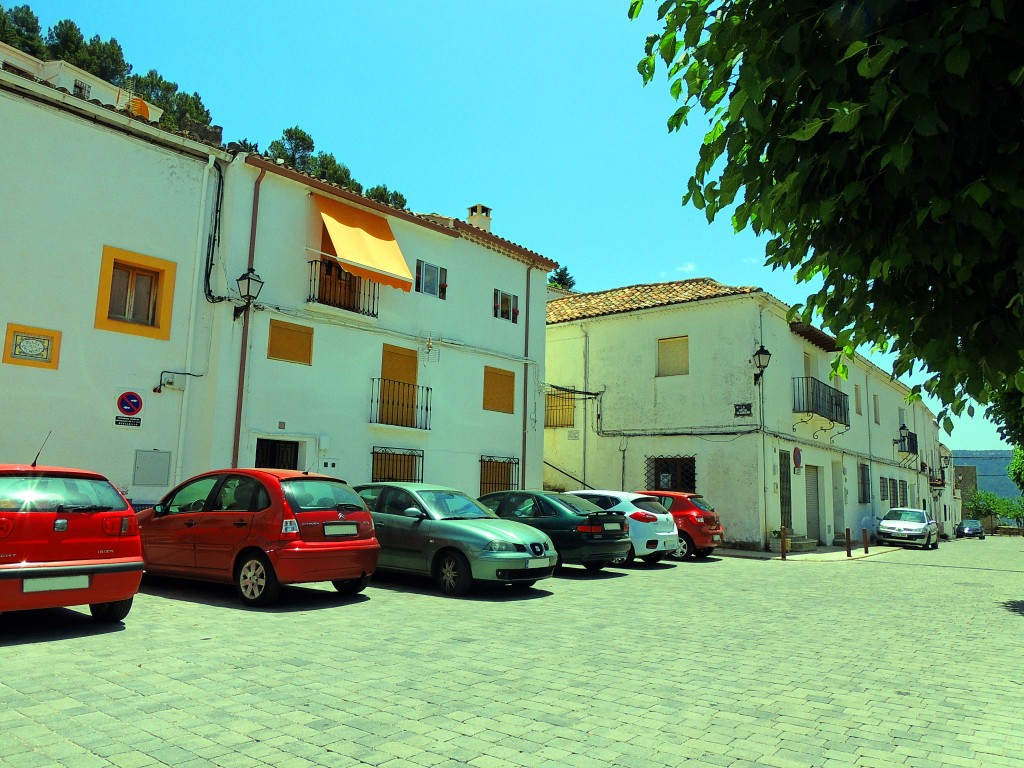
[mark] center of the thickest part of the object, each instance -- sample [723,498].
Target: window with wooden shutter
[290,342]
[674,356]
[499,390]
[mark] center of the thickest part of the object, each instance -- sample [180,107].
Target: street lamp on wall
[945,461]
[902,439]
[761,359]
[249,286]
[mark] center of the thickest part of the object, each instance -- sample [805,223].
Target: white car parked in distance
[652,529]
[904,525]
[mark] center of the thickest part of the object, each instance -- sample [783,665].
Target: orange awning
[364,243]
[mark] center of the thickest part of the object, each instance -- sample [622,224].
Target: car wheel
[935,544]
[111,613]
[981,536]
[703,552]
[595,566]
[627,558]
[684,550]
[255,580]
[351,586]
[453,575]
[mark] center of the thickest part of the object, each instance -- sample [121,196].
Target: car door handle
[239,523]
[191,523]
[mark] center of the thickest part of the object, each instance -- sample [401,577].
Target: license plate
[716,537]
[613,526]
[540,562]
[55,583]
[340,529]
[898,534]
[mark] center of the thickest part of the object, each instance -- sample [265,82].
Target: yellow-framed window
[136,294]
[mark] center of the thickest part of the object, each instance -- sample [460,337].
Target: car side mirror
[159,510]
[419,514]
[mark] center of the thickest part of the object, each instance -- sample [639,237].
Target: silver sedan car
[904,525]
[443,533]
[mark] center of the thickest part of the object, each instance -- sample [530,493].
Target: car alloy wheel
[256,581]
[453,575]
[684,550]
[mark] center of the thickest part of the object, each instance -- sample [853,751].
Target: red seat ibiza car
[260,529]
[67,537]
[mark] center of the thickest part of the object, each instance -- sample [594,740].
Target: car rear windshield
[650,505]
[49,493]
[700,503]
[577,504]
[306,494]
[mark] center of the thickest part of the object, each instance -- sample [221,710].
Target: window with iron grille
[82,89]
[672,473]
[883,488]
[903,493]
[560,407]
[894,493]
[498,473]
[864,483]
[396,465]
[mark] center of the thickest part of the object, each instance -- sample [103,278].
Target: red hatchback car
[260,529]
[700,528]
[67,537]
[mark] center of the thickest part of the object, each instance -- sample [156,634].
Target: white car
[904,525]
[652,529]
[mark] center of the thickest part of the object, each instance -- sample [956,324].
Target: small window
[894,493]
[498,473]
[874,407]
[883,488]
[506,306]
[674,356]
[672,473]
[136,294]
[396,465]
[864,483]
[499,390]
[856,398]
[431,279]
[903,493]
[82,89]
[560,407]
[290,342]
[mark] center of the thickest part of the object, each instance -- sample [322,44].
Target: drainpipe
[245,322]
[183,413]
[586,388]
[764,449]
[526,375]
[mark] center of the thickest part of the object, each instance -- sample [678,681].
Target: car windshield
[971,522]
[905,515]
[576,504]
[700,503]
[453,505]
[306,494]
[49,493]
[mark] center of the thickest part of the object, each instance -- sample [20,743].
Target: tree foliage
[19,27]
[877,144]
[382,194]
[560,278]
[1015,470]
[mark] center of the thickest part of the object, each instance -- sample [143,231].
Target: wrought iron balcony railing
[331,285]
[936,478]
[817,397]
[908,444]
[399,403]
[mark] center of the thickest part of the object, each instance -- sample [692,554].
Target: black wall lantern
[249,286]
[761,359]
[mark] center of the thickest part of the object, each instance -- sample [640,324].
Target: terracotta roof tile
[579,306]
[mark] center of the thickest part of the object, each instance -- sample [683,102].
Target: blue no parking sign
[129,406]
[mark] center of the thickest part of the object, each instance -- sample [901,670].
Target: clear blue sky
[534,109]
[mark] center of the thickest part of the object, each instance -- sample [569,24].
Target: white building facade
[655,387]
[383,344]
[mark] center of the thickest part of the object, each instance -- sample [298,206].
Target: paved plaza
[902,658]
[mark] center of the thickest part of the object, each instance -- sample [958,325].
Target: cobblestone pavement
[905,658]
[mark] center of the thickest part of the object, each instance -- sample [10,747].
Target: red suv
[260,529]
[67,537]
[700,529]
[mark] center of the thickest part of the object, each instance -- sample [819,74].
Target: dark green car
[582,532]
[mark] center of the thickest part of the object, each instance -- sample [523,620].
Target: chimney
[480,216]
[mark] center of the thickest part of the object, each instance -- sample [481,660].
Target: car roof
[674,494]
[410,486]
[28,469]
[907,509]
[280,474]
[624,495]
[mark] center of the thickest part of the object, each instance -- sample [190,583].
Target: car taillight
[6,526]
[697,518]
[590,528]
[120,526]
[289,529]
[644,517]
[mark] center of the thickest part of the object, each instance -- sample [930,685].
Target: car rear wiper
[348,507]
[84,508]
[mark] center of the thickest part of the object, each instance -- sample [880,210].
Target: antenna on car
[41,448]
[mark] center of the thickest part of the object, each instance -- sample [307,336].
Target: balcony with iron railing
[936,477]
[907,444]
[399,404]
[818,399]
[332,286]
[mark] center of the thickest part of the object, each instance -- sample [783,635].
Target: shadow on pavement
[50,625]
[423,585]
[579,573]
[292,598]
[1014,606]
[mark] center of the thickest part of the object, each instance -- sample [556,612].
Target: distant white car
[652,529]
[905,525]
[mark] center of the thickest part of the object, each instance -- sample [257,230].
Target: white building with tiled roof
[655,387]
